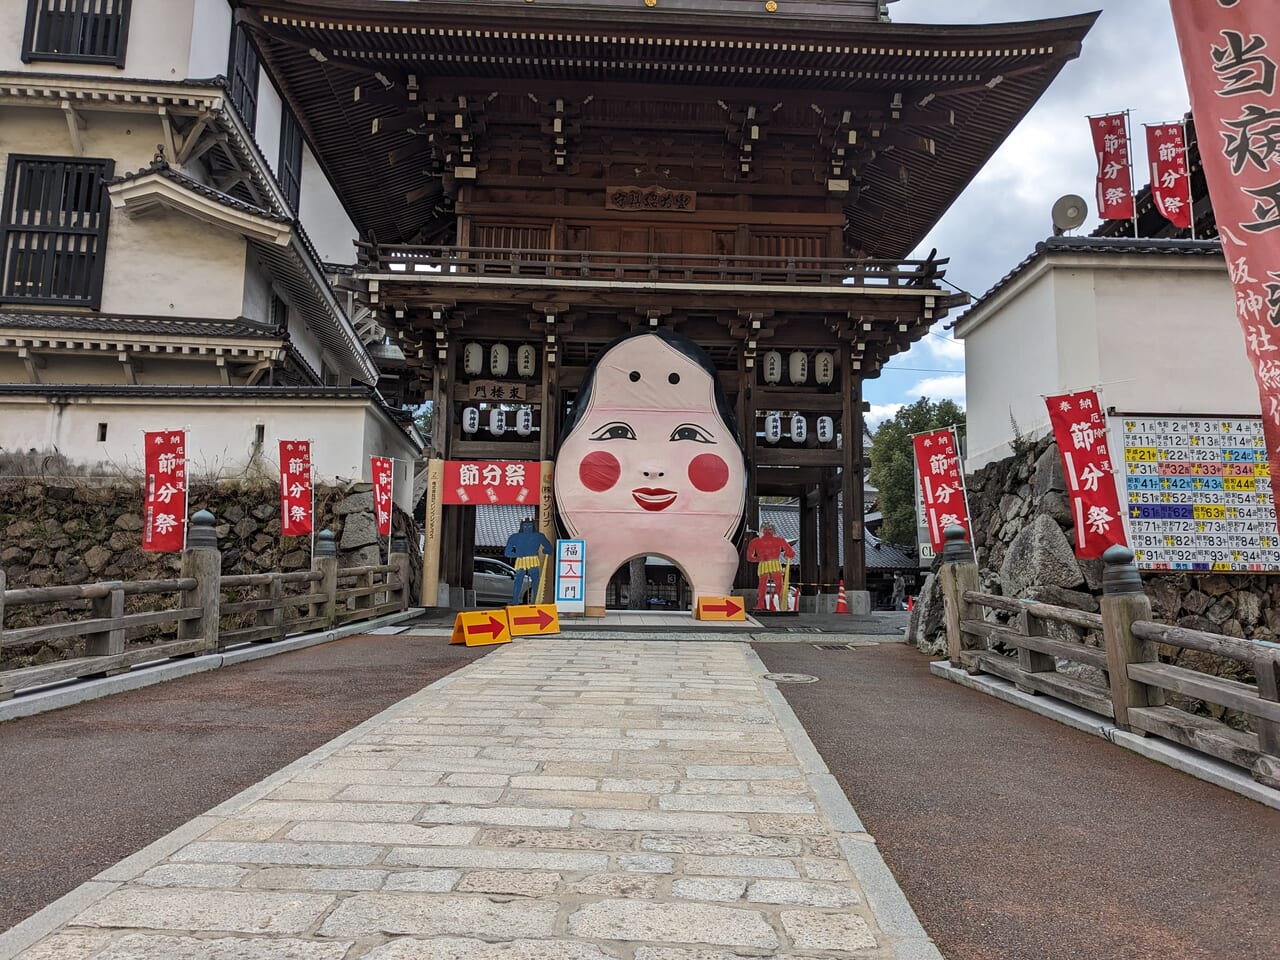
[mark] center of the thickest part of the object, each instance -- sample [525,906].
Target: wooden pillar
[433,533]
[468,553]
[855,561]
[548,438]
[747,428]
[809,537]
[829,531]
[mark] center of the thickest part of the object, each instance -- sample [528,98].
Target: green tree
[892,462]
[422,418]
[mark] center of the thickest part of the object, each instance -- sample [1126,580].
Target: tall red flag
[383,470]
[296,493]
[164,506]
[941,484]
[1230,50]
[1081,433]
[1115,175]
[1170,182]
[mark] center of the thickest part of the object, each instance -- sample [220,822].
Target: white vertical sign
[571,562]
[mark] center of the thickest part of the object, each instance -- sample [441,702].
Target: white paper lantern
[824,368]
[526,359]
[826,429]
[799,366]
[497,422]
[773,427]
[772,367]
[799,428]
[470,420]
[473,359]
[499,359]
[524,421]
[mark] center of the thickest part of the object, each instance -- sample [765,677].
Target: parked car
[494,581]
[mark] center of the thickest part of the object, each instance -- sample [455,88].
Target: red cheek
[599,471]
[708,472]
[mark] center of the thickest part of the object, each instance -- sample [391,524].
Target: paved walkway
[565,799]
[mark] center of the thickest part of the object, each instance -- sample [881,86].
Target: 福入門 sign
[1197,494]
[571,560]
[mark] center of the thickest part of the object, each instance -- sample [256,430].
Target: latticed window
[244,77]
[291,159]
[79,31]
[54,231]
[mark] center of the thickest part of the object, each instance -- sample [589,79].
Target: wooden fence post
[108,642]
[399,558]
[325,562]
[1266,769]
[4,580]
[273,590]
[1032,661]
[959,573]
[202,561]
[1123,602]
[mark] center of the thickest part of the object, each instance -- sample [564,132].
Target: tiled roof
[161,167]
[1098,245]
[137,326]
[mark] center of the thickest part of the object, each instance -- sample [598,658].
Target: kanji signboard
[1115,174]
[941,484]
[501,481]
[1170,182]
[1081,433]
[1198,494]
[571,560]
[165,498]
[296,496]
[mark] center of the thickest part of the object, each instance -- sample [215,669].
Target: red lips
[654,498]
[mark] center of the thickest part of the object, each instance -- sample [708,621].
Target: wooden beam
[75,123]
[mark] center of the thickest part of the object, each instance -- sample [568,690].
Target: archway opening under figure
[664,586]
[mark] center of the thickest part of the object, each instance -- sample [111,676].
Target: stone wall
[1023,533]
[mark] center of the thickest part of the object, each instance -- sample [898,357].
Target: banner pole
[1186,162]
[1133,200]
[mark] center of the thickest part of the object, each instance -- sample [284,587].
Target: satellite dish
[1068,213]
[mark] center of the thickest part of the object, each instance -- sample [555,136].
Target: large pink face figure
[650,467]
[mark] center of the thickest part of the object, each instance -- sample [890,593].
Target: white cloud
[941,388]
[943,348]
[880,412]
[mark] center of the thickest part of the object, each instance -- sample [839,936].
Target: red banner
[1115,175]
[165,498]
[1081,433]
[499,481]
[383,469]
[941,484]
[297,499]
[1170,182]
[1230,50]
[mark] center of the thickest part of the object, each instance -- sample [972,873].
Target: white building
[154,267]
[1150,322]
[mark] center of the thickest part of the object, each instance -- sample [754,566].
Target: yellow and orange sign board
[479,628]
[720,608]
[533,620]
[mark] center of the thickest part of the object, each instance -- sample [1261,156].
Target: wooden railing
[210,612]
[1134,681]
[470,262]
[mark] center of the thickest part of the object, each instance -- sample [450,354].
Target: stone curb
[31,704]
[39,925]
[893,912]
[707,636]
[1209,769]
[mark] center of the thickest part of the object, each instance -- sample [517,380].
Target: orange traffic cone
[911,603]
[842,605]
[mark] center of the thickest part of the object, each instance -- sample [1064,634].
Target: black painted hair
[689,348]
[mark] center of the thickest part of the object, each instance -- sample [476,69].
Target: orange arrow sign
[495,628]
[480,628]
[533,619]
[720,608]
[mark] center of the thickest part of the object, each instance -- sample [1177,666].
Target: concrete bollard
[325,562]
[202,561]
[1123,602]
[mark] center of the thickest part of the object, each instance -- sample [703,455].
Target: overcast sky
[1130,61]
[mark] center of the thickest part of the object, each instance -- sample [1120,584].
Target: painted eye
[614,431]
[688,431]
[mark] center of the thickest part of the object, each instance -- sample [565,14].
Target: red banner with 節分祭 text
[511,482]
[1115,175]
[1170,182]
[1081,433]
[164,507]
[1230,52]
[941,485]
[383,472]
[296,494]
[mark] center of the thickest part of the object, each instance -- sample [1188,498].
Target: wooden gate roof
[951,93]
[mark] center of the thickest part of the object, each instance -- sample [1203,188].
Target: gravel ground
[1018,838]
[84,787]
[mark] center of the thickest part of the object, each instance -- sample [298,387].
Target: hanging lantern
[824,368]
[524,421]
[497,422]
[799,428]
[470,420]
[499,359]
[473,359]
[772,367]
[826,429]
[773,427]
[799,366]
[526,359]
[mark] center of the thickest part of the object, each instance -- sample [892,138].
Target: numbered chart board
[1198,494]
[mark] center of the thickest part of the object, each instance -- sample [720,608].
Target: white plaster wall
[159,45]
[383,439]
[326,222]
[256,303]
[270,117]
[222,432]
[210,39]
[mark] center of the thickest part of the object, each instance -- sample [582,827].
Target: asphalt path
[84,787]
[1019,838]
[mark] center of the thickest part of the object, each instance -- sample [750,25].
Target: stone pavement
[559,799]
